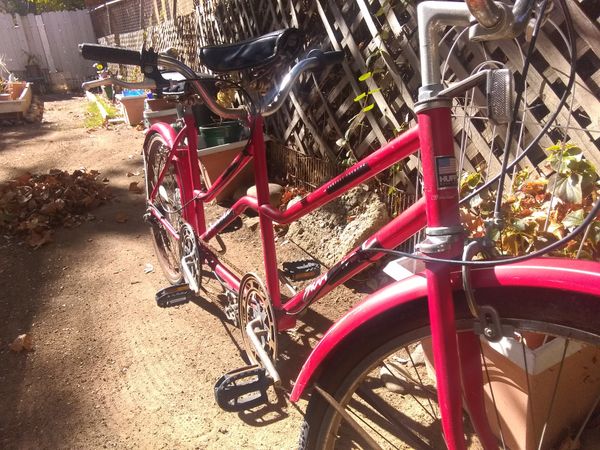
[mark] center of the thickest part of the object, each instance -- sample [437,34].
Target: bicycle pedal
[178,294]
[242,389]
[301,270]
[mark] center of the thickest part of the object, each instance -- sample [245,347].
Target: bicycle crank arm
[261,353]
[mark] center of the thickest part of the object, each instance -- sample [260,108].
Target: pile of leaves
[540,210]
[32,206]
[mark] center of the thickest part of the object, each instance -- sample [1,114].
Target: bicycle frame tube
[394,151]
[441,194]
[390,236]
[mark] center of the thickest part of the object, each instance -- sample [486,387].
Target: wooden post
[45,44]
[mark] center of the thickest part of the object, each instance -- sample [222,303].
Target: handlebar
[314,60]
[498,20]
[146,84]
[272,100]
[486,12]
[113,55]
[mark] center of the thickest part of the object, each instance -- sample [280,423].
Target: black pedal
[301,270]
[242,389]
[174,295]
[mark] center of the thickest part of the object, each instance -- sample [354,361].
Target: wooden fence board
[49,40]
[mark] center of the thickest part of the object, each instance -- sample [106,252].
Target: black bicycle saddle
[252,53]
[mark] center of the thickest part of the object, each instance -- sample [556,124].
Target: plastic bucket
[221,133]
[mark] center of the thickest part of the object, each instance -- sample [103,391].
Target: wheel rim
[403,380]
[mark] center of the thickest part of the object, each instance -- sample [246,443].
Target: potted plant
[15,87]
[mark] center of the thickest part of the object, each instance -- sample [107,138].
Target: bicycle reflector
[499,96]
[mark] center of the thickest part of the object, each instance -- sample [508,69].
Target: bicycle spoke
[355,426]
[587,419]
[433,410]
[560,369]
[489,381]
[530,405]
[394,417]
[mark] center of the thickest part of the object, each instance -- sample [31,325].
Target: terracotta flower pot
[16,88]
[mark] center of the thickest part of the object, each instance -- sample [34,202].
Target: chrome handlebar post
[146,84]
[272,101]
[191,76]
[495,21]
[431,16]
[275,98]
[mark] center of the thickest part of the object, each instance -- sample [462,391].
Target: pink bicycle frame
[439,205]
[193,196]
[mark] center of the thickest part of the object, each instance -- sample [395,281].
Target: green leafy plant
[540,210]
[378,61]
[93,118]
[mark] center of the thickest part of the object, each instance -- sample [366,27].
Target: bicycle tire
[166,247]
[361,357]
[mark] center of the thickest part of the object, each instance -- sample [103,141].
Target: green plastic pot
[221,133]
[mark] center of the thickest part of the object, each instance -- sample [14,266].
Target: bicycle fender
[566,275]
[166,131]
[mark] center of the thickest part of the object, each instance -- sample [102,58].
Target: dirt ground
[110,369]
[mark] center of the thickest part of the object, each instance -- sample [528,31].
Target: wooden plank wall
[381,38]
[51,40]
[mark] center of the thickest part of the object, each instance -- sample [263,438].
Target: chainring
[190,257]
[255,303]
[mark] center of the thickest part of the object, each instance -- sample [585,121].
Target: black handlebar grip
[327,58]
[113,55]
[331,58]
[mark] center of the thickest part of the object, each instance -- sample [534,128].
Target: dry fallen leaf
[121,217]
[22,342]
[36,240]
[133,187]
[34,204]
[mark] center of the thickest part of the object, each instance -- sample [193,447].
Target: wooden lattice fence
[381,39]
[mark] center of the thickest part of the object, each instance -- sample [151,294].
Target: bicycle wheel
[168,202]
[388,389]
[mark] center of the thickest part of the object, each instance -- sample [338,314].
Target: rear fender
[572,276]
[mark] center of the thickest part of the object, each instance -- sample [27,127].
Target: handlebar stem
[431,16]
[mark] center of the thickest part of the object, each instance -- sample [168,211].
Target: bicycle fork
[445,240]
